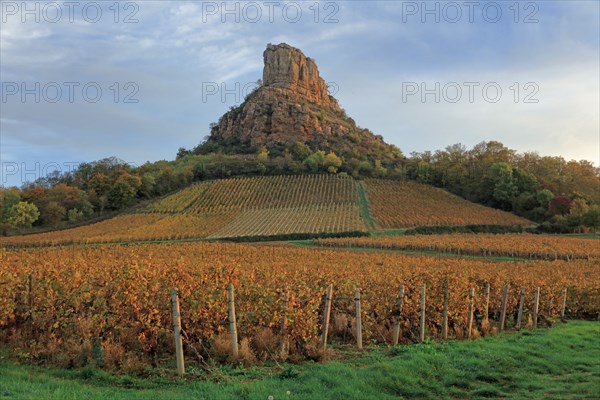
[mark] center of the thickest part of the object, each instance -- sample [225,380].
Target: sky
[82,81]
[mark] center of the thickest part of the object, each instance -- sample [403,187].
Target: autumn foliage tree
[22,215]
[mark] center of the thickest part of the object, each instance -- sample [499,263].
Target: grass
[560,363]
[595,235]
[388,232]
[363,201]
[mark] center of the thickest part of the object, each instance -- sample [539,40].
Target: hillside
[290,124]
[281,206]
[407,204]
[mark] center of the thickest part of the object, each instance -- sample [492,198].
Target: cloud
[369,52]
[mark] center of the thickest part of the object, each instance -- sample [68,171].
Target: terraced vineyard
[260,193]
[240,207]
[282,205]
[315,219]
[405,204]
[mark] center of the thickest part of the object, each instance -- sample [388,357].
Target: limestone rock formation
[286,67]
[293,104]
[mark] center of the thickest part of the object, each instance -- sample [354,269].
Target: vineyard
[71,304]
[534,247]
[129,228]
[405,204]
[315,219]
[277,206]
[260,193]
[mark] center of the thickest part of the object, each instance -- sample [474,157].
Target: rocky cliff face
[292,104]
[287,68]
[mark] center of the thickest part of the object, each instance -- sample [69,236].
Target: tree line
[561,195]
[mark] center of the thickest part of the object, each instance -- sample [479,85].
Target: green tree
[23,215]
[315,161]
[300,151]
[86,208]
[365,168]
[592,217]
[8,198]
[123,193]
[505,188]
[524,181]
[544,197]
[423,171]
[53,213]
[379,171]
[75,215]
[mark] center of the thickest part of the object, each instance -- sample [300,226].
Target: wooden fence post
[503,309]
[283,324]
[422,331]
[520,313]
[177,329]
[397,324]
[536,305]
[359,343]
[232,321]
[30,293]
[486,306]
[470,315]
[445,314]
[326,314]
[564,304]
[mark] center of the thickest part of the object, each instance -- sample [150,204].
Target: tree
[300,151]
[592,217]
[23,214]
[365,168]
[379,171]
[100,183]
[315,161]
[8,198]
[86,208]
[332,162]
[53,213]
[147,183]
[423,171]
[263,155]
[123,193]
[579,207]
[560,205]
[261,168]
[504,186]
[544,197]
[182,152]
[74,215]
[524,181]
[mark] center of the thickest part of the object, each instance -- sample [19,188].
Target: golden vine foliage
[543,247]
[406,204]
[265,192]
[226,208]
[312,219]
[278,205]
[130,228]
[54,297]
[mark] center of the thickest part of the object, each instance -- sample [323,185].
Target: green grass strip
[363,203]
[558,363]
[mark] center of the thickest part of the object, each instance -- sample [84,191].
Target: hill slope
[282,205]
[407,204]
